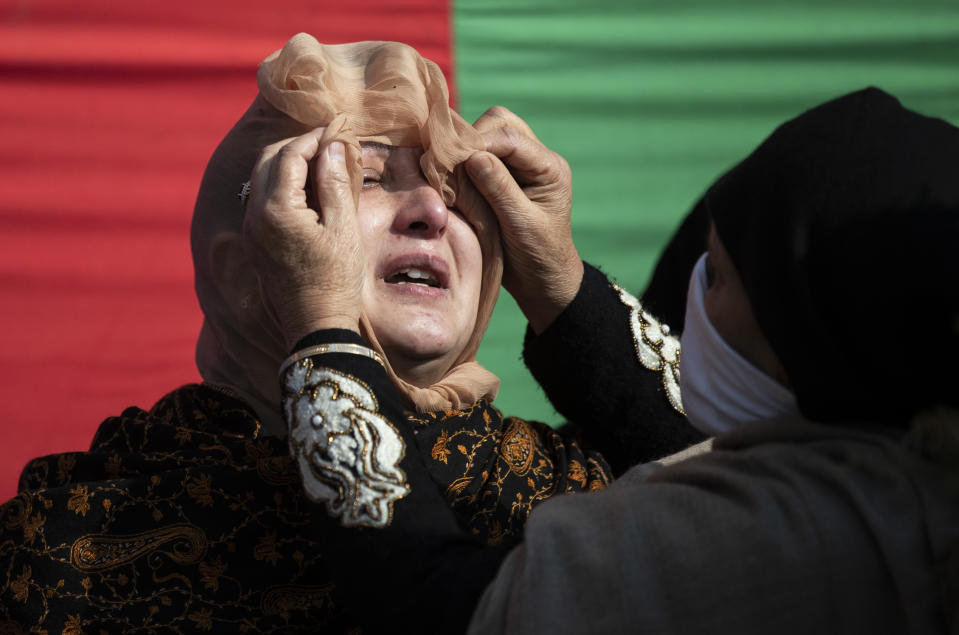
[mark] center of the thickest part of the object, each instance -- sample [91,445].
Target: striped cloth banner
[109,111]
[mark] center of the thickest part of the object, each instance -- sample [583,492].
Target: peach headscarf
[364,91]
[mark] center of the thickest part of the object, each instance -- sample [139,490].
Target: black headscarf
[844,226]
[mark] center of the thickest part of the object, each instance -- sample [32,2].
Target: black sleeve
[421,572]
[587,364]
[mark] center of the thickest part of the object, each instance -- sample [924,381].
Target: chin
[419,332]
[418,340]
[418,344]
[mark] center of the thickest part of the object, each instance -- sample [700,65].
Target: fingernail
[337,151]
[479,164]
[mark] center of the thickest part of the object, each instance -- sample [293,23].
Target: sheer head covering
[365,91]
[844,226]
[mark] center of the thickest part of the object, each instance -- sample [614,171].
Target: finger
[334,187]
[496,184]
[530,161]
[499,117]
[289,169]
[475,208]
[260,176]
[279,175]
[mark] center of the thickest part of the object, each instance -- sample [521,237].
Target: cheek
[725,314]
[731,315]
[373,220]
[469,256]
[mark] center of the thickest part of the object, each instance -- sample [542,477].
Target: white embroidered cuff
[348,454]
[656,349]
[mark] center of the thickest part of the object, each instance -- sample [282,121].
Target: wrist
[298,331]
[543,310]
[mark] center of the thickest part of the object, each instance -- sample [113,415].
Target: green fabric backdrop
[649,101]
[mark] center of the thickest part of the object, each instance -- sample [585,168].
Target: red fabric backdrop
[108,113]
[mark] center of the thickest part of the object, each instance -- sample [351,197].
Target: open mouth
[412,275]
[422,272]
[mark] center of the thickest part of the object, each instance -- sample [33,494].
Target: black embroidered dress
[186,518]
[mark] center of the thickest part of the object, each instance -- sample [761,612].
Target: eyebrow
[374,145]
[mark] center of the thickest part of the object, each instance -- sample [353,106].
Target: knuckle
[273,209]
[552,166]
[337,185]
[494,119]
[497,111]
[512,135]
[337,176]
[287,153]
[544,167]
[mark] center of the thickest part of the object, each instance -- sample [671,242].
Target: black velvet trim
[328,336]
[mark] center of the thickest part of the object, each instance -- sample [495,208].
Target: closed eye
[370,180]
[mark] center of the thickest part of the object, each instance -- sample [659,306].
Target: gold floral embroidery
[113,466]
[199,490]
[96,552]
[211,572]
[440,451]
[182,435]
[32,525]
[517,447]
[203,618]
[577,473]
[457,487]
[277,470]
[79,502]
[501,468]
[21,586]
[65,465]
[284,599]
[265,548]
[166,578]
[74,625]
[15,511]
[599,475]
[273,469]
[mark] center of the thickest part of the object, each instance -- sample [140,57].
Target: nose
[423,213]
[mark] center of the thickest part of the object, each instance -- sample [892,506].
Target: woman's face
[423,266]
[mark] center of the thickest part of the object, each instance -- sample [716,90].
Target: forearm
[600,374]
[398,550]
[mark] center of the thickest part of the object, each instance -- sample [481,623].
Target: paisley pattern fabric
[185,518]
[495,469]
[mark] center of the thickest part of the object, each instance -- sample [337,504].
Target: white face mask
[720,388]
